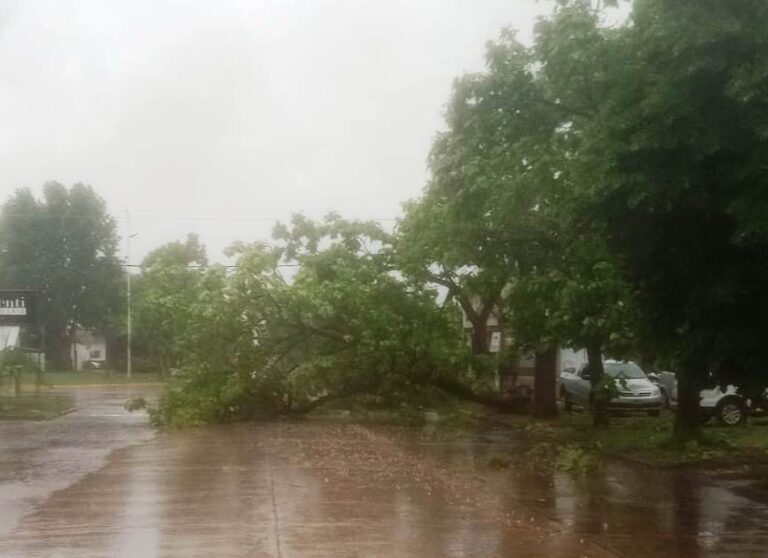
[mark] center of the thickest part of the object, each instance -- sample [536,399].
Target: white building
[9,336]
[521,371]
[89,349]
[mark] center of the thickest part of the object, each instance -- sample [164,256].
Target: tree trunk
[453,387]
[599,404]
[545,384]
[688,417]
[73,349]
[448,385]
[320,401]
[480,344]
[479,321]
[58,351]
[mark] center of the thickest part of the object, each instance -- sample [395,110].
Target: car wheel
[730,411]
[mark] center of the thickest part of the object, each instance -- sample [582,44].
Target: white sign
[13,307]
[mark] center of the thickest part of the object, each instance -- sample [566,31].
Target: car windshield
[626,370]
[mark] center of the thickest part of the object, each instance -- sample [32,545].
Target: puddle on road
[38,457]
[634,511]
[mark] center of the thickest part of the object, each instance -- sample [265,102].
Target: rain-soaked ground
[99,482]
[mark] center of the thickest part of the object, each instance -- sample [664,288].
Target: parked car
[728,406]
[636,391]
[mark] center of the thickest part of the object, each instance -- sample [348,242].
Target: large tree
[681,187]
[497,219]
[62,246]
[478,227]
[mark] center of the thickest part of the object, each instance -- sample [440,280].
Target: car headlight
[655,391]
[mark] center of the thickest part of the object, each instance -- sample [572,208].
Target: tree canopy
[62,246]
[602,187]
[678,182]
[345,324]
[163,301]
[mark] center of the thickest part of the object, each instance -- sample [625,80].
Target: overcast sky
[220,116]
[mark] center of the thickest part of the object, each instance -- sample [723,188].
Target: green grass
[90,377]
[648,440]
[34,406]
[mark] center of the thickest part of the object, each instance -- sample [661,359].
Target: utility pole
[128,238]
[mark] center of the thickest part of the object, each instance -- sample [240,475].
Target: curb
[69,386]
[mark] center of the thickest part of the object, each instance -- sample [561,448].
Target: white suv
[728,406]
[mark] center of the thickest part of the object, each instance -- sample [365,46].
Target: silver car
[636,391]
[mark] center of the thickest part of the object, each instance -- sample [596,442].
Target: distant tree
[63,247]
[163,298]
[191,252]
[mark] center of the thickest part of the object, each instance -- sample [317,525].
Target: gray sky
[220,116]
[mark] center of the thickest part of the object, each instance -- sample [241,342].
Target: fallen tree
[345,324]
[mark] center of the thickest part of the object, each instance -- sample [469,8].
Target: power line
[199,266]
[175,218]
[139,266]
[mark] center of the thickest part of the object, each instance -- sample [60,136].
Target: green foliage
[546,456]
[609,179]
[346,323]
[163,301]
[678,183]
[186,407]
[14,364]
[646,440]
[479,225]
[499,219]
[577,461]
[191,252]
[15,361]
[607,388]
[602,187]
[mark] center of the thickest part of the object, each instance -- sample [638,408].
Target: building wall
[522,372]
[570,358]
[9,336]
[91,347]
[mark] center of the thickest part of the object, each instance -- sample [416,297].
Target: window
[626,370]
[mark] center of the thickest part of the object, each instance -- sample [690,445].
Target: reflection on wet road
[345,490]
[39,457]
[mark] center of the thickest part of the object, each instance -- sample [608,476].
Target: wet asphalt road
[99,482]
[40,457]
